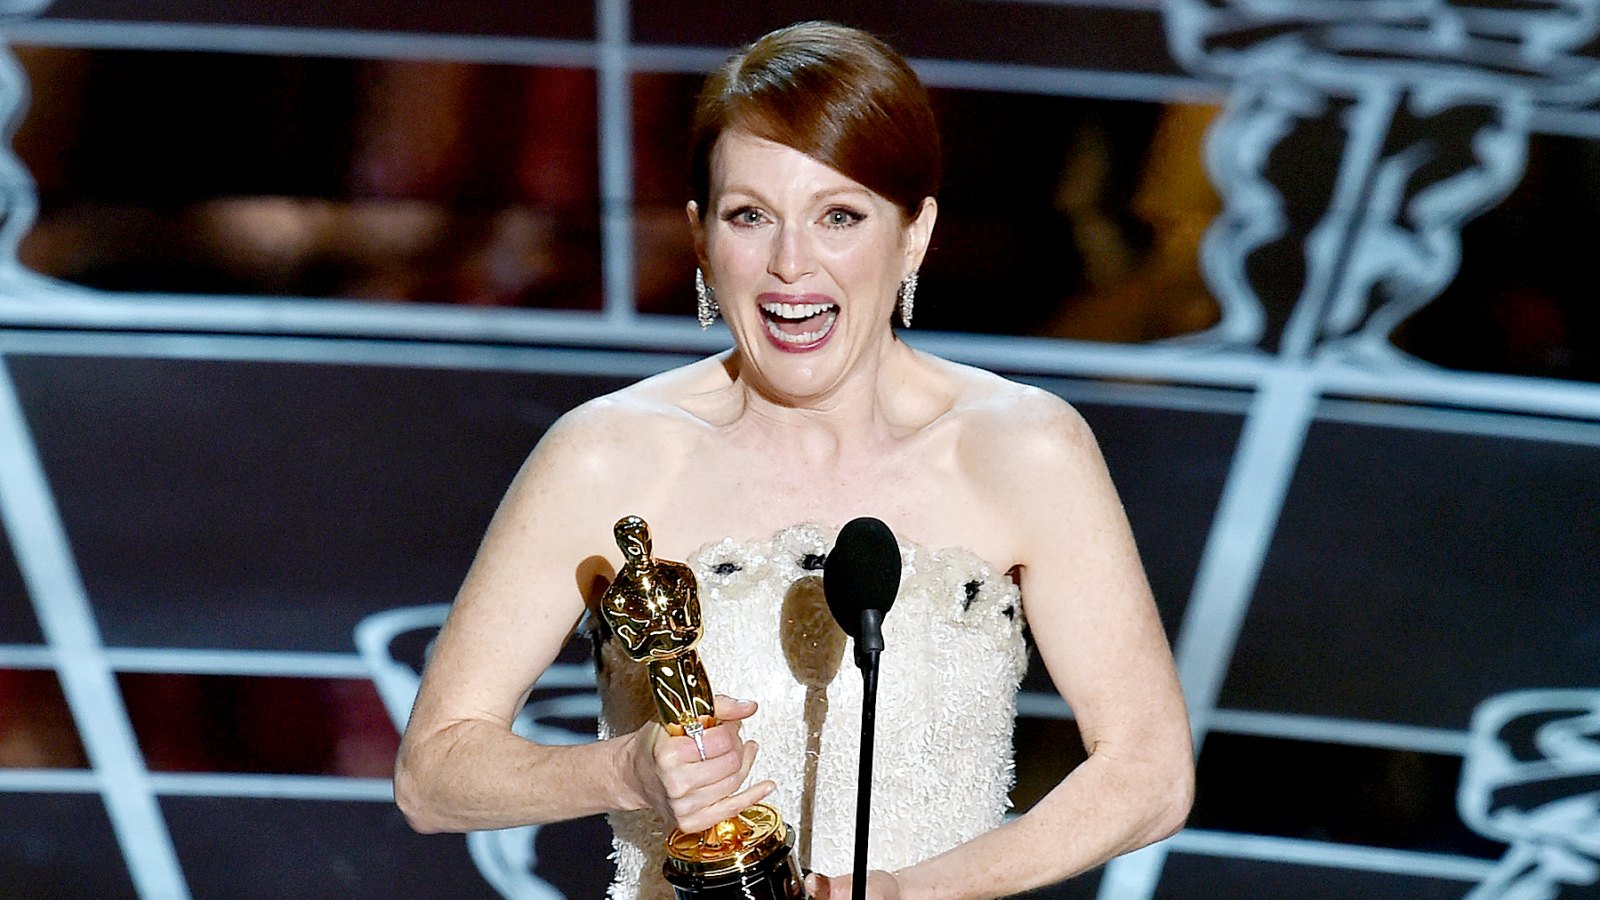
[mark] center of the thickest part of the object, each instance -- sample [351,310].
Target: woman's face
[805,262]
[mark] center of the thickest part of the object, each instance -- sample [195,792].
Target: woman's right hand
[691,793]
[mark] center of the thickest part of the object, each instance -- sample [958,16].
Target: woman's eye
[745,215]
[841,218]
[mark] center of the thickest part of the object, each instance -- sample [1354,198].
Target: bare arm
[460,766]
[1091,613]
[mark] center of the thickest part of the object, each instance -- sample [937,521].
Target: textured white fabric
[942,761]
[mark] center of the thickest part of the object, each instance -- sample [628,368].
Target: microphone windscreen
[862,572]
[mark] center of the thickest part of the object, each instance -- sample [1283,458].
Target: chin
[797,370]
[796,376]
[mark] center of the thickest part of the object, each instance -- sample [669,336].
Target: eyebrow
[819,195]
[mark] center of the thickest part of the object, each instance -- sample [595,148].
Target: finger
[724,753]
[716,741]
[883,883]
[678,752]
[674,751]
[728,784]
[694,801]
[649,735]
[729,709]
[719,741]
[683,774]
[727,808]
[723,739]
[699,785]
[648,754]
[827,887]
[747,760]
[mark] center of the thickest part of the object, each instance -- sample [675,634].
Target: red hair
[839,95]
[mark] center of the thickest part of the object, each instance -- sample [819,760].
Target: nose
[791,257]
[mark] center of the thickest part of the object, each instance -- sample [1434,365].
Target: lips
[798,323]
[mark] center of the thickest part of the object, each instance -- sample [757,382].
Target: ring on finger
[697,731]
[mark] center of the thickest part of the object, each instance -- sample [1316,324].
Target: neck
[857,411]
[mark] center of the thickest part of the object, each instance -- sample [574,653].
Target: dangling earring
[705,300]
[908,296]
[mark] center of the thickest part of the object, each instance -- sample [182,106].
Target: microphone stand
[867,650]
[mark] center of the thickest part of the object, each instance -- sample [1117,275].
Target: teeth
[796,311]
[809,337]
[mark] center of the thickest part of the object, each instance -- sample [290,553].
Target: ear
[919,232]
[697,230]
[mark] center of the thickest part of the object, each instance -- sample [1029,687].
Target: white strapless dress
[947,687]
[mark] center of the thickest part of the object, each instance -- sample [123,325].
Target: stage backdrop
[287,291]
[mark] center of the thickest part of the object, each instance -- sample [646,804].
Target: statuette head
[633,539]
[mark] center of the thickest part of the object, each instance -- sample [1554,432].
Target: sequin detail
[946,702]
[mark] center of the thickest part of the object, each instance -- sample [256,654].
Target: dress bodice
[942,761]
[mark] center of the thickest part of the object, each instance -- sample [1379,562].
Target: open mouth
[799,325]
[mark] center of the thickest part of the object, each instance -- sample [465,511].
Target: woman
[814,169]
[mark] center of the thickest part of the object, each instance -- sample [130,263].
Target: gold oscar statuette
[653,609]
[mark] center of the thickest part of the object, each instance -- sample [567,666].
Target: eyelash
[855,218]
[739,217]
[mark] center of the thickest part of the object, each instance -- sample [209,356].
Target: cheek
[858,261]
[735,256]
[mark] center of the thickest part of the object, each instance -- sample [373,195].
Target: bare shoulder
[609,456]
[1015,456]
[603,438]
[1011,428]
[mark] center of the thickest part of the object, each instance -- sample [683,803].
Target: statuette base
[748,857]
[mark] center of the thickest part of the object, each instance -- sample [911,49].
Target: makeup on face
[812,248]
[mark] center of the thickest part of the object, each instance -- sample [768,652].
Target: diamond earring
[705,300]
[908,296]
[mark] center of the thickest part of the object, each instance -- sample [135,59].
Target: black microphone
[860,580]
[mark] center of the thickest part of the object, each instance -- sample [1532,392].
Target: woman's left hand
[881,885]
